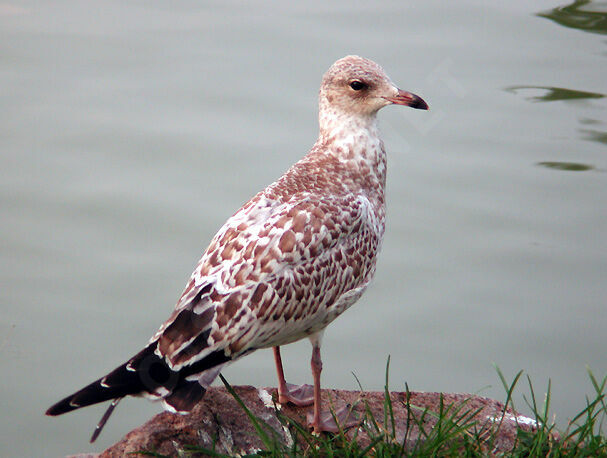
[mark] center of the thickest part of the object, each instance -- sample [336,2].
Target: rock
[221,423]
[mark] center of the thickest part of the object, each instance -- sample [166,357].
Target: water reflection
[583,15]
[551,94]
[594,135]
[569,166]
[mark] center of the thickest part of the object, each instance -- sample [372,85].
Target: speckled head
[356,86]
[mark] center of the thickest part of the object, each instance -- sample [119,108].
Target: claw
[345,417]
[299,395]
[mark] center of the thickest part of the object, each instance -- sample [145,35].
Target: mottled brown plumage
[285,265]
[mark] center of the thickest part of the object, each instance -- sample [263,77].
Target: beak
[409,99]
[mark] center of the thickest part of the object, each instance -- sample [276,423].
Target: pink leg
[316,364]
[325,421]
[299,395]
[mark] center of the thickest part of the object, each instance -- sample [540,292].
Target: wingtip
[104,419]
[61,407]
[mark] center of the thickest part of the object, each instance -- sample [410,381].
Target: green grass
[456,431]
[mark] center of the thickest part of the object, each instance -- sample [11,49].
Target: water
[131,131]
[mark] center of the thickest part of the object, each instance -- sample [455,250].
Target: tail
[145,374]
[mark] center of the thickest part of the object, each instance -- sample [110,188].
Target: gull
[284,266]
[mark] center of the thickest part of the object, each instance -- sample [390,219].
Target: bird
[290,261]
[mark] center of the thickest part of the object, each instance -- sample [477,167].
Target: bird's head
[356,86]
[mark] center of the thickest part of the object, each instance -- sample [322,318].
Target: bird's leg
[301,395]
[326,421]
[316,364]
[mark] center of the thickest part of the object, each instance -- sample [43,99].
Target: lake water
[131,130]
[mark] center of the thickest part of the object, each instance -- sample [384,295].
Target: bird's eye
[357,85]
